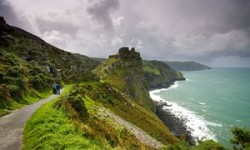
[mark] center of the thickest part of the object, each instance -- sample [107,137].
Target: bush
[209,145]
[4,92]
[37,82]
[78,104]
[13,72]
[11,59]
[34,68]
[14,91]
[73,105]
[13,81]
[241,138]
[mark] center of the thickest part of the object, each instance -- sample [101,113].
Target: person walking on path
[54,87]
[58,88]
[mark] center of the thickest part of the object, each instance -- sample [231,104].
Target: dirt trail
[140,134]
[12,125]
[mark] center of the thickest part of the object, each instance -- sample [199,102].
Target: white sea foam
[197,125]
[174,86]
[201,103]
[213,124]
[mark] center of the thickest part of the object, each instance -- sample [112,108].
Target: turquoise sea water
[216,100]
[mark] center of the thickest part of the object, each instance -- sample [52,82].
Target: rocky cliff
[124,71]
[160,75]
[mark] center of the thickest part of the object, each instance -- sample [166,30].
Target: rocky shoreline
[175,125]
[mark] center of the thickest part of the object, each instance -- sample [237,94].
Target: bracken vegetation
[73,122]
[29,66]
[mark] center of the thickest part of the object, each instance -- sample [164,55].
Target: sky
[212,32]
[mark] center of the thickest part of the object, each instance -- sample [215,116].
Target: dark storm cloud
[208,31]
[100,11]
[238,15]
[7,11]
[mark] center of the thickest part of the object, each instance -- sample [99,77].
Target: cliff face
[160,75]
[125,72]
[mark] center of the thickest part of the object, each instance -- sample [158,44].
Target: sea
[210,102]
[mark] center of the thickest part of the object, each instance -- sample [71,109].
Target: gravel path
[12,125]
[140,134]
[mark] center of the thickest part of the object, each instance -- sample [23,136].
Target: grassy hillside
[186,65]
[77,121]
[159,74]
[124,71]
[29,66]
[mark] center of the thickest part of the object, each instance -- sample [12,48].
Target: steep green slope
[186,65]
[124,71]
[29,66]
[21,83]
[159,75]
[80,115]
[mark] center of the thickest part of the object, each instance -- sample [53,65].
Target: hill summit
[126,54]
[124,71]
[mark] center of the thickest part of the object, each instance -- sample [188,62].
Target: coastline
[179,120]
[175,124]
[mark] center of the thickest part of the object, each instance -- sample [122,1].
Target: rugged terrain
[106,107]
[29,66]
[160,75]
[124,71]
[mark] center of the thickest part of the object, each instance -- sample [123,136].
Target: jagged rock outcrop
[125,72]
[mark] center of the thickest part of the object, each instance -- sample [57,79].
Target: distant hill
[186,65]
[98,59]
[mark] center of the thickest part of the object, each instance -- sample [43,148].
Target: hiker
[54,88]
[58,88]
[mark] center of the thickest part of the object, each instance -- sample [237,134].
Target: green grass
[50,128]
[104,94]
[7,106]
[128,78]
[202,145]
[151,70]
[3,112]
[56,125]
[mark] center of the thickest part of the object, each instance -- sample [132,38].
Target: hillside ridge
[124,71]
[187,65]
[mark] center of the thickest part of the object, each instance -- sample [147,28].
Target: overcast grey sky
[213,32]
